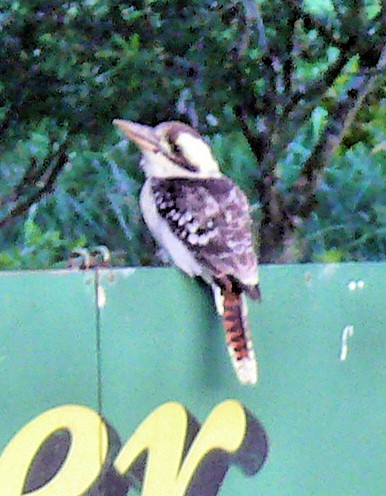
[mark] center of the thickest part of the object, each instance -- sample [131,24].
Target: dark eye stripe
[189,167]
[180,160]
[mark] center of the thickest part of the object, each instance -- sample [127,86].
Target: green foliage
[69,68]
[38,248]
[351,221]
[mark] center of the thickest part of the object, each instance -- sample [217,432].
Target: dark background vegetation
[291,95]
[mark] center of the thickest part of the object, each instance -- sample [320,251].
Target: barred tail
[238,337]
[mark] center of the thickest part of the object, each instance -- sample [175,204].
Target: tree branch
[11,116]
[303,102]
[253,17]
[257,141]
[301,105]
[316,90]
[288,64]
[341,119]
[59,158]
[311,22]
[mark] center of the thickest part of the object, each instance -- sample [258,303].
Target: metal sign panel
[135,358]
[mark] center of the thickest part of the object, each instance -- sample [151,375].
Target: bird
[202,219]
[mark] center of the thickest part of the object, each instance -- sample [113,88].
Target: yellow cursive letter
[86,456]
[163,436]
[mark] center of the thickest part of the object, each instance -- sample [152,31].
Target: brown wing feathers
[211,217]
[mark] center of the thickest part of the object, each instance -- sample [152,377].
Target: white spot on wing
[186,217]
[193,227]
[193,239]
[228,217]
[203,239]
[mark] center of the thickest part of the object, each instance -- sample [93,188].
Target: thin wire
[99,358]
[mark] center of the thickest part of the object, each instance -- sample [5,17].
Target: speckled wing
[211,217]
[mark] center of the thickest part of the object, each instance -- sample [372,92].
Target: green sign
[118,382]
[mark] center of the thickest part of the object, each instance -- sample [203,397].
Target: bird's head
[171,149]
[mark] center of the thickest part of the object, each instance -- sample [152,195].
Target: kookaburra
[203,221]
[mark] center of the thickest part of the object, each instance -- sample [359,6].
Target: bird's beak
[143,136]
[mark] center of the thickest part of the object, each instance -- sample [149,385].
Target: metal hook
[79,259]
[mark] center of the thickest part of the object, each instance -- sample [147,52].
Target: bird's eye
[175,149]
